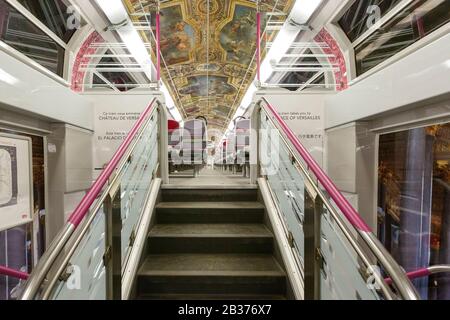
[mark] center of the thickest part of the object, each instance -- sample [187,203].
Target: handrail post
[312,232]
[112,258]
[163,144]
[254,143]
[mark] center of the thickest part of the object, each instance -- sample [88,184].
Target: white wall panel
[422,75]
[22,88]
[295,107]
[122,109]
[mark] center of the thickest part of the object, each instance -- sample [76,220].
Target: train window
[123,81]
[418,20]
[319,80]
[57,15]
[414,202]
[358,18]
[297,78]
[24,36]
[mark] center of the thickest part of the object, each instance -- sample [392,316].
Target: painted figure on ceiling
[238,37]
[177,37]
[178,41]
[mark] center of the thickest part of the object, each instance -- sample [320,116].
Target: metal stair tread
[208,265]
[237,230]
[211,205]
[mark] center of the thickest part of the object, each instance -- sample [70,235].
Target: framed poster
[16,181]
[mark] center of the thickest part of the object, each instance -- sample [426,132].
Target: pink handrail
[424,272]
[347,209]
[83,207]
[13,273]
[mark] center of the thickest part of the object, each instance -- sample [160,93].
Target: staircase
[210,244]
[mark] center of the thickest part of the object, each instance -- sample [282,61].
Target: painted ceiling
[207,55]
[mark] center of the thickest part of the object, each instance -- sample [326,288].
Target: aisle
[209,178]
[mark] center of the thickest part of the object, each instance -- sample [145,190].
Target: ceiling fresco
[207,55]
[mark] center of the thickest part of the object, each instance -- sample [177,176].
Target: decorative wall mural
[82,58]
[207,55]
[199,86]
[177,37]
[238,38]
[338,58]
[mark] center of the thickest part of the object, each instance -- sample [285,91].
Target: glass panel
[243,141]
[362,14]
[88,274]
[57,15]
[341,276]
[136,181]
[414,202]
[415,22]
[19,33]
[194,143]
[15,253]
[231,148]
[285,181]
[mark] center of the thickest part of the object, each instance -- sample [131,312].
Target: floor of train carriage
[209,177]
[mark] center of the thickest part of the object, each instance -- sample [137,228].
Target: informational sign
[15,181]
[111,128]
[51,148]
[307,122]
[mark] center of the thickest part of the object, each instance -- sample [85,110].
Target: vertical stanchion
[113,247]
[158,47]
[318,258]
[255,169]
[163,143]
[313,211]
[258,45]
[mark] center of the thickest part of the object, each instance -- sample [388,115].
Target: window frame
[391,14]
[433,36]
[28,61]
[397,126]
[29,16]
[439,119]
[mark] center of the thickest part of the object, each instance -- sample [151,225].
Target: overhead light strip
[116,13]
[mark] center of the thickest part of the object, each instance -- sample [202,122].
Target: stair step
[210,238]
[209,212]
[209,195]
[211,274]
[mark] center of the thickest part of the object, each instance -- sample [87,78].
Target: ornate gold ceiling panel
[208,48]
